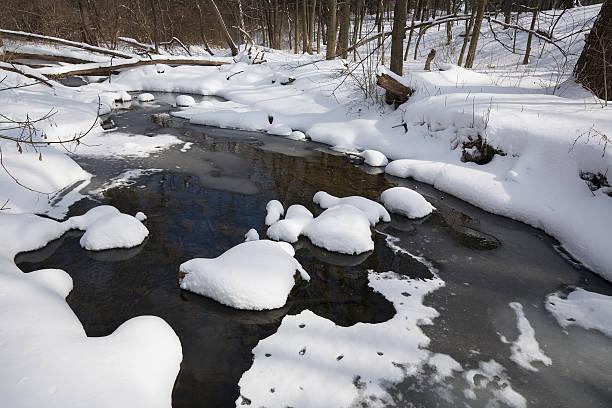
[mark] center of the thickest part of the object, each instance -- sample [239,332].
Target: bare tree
[331,29]
[471,55]
[397,36]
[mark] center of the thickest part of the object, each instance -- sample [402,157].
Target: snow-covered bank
[548,140]
[47,358]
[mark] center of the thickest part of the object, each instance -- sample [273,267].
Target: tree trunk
[466,39]
[397,37]
[345,24]
[534,18]
[304,25]
[202,34]
[311,25]
[471,55]
[296,25]
[226,34]
[594,67]
[155,30]
[331,29]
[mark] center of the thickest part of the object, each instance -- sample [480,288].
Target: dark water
[205,200]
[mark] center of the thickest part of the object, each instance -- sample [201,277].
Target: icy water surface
[204,199]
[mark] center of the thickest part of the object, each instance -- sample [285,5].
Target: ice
[526,349]
[251,235]
[492,376]
[275,211]
[406,202]
[375,212]
[586,309]
[342,228]
[374,158]
[114,231]
[146,97]
[279,129]
[185,100]
[140,216]
[254,275]
[290,228]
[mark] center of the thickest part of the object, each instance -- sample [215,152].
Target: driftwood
[397,93]
[37,37]
[10,56]
[106,69]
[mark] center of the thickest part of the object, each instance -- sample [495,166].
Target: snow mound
[342,228]
[374,158]
[253,275]
[115,231]
[185,100]
[275,211]
[123,96]
[251,235]
[374,210]
[84,221]
[291,227]
[525,349]
[146,97]
[297,135]
[280,129]
[140,216]
[589,310]
[406,202]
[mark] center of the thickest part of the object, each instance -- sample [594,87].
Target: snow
[342,228]
[186,146]
[491,375]
[275,211]
[374,158]
[297,135]
[278,129]
[185,100]
[146,97]
[375,212]
[290,228]
[406,202]
[114,231]
[254,275]
[586,309]
[525,349]
[47,358]
[140,216]
[83,222]
[251,235]
[125,179]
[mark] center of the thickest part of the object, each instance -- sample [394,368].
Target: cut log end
[397,93]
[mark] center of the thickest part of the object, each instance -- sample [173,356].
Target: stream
[204,199]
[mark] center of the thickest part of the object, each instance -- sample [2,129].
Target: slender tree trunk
[331,29]
[471,55]
[311,25]
[345,23]
[202,35]
[411,32]
[155,33]
[304,25]
[226,34]
[507,11]
[466,39]
[397,37]
[297,27]
[319,21]
[534,19]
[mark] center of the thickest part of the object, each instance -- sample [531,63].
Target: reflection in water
[208,197]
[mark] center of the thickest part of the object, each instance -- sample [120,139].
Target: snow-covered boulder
[374,210]
[406,202]
[123,96]
[278,129]
[83,222]
[140,216]
[251,235]
[115,231]
[343,228]
[274,210]
[253,275]
[289,229]
[297,135]
[146,97]
[374,158]
[185,100]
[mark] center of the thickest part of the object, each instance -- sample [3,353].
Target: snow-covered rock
[185,100]
[406,202]
[123,96]
[586,309]
[297,135]
[140,216]
[275,211]
[115,231]
[251,235]
[146,97]
[374,158]
[279,129]
[253,275]
[375,212]
[342,228]
[83,222]
[290,228]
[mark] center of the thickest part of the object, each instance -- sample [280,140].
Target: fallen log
[7,67]
[397,93]
[11,56]
[106,69]
[56,40]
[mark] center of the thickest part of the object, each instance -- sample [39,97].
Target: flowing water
[203,201]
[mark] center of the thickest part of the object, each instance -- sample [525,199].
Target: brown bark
[471,55]
[331,29]
[343,34]
[397,37]
[396,92]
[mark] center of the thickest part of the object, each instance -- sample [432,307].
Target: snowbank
[406,202]
[254,275]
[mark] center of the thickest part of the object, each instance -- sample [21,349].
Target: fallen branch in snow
[56,40]
[104,69]
[11,68]
[397,92]
[10,56]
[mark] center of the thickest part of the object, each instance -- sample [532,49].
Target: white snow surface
[374,211]
[291,227]
[140,216]
[406,202]
[114,231]
[253,275]
[275,211]
[45,355]
[279,129]
[526,349]
[583,308]
[185,100]
[297,135]
[251,235]
[374,158]
[146,97]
